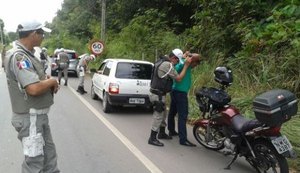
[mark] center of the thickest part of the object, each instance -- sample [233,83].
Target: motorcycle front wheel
[213,140]
[267,158]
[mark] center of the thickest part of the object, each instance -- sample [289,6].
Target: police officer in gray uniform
[161,84]
[82,67]
[62,62]
[31,94]
[44,58]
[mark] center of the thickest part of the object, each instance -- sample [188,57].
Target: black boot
[66,83]
[162,134]
[80,90]
[84,91]
[153,141]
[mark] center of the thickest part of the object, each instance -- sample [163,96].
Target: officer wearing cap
[44,58]
[62,62]
[82,67]
[161,84]
[31,94]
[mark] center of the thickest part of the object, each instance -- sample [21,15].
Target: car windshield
[127,70]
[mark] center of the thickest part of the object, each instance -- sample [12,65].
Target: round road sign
[97,47]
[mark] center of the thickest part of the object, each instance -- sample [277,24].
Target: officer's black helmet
[223,75]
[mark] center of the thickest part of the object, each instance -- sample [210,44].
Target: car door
[97,78]
[104,77]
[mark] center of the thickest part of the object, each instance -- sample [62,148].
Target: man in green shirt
[179,103]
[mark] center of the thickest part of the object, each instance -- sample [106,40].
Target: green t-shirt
[185,84]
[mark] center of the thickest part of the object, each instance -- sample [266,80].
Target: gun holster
[159,105]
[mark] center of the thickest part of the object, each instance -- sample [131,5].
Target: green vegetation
[259,40]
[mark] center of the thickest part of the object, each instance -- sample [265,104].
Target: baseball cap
[179,54]
[32,26]
[92,57]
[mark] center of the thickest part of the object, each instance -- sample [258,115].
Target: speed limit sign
[97,47]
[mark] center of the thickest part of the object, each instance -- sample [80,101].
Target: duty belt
[39,111]
[157,92]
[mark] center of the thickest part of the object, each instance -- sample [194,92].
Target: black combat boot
[153,141]
[84,91]
[80,90]
[162,134]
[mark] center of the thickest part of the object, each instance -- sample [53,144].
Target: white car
[122,82]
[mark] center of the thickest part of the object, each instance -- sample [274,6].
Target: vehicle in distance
[73,57]
[122,82]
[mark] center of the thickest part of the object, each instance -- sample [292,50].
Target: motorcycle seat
[241,124]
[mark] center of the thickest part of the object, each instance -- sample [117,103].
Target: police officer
[82,68]
[161,83]
[62,61]
[31,94]
[44,58]
[3,55]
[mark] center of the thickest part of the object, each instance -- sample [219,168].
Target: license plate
[136,100]
[282,144]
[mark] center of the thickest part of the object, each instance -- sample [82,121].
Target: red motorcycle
[259,140]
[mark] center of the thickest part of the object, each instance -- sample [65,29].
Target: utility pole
[103,11]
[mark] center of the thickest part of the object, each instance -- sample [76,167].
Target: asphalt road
[90,141]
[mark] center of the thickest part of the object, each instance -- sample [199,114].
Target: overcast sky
[14,12]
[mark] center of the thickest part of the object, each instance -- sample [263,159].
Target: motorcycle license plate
[282,144]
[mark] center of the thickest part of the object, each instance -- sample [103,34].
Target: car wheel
[105,104]
[93,94]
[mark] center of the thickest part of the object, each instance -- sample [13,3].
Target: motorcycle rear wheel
[217,139]
[268,160]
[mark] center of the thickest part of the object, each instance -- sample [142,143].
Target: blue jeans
[179,104]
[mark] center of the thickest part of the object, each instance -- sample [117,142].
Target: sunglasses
[40,32]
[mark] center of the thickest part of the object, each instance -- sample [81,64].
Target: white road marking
[147,162]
